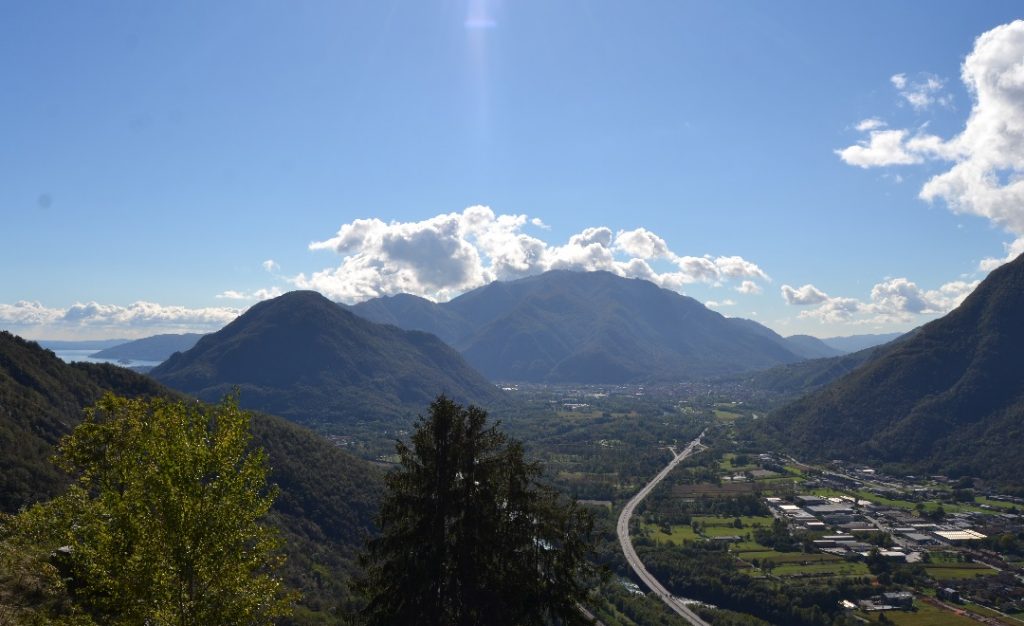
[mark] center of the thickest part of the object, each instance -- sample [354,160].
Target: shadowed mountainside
[328,497]
[949,398]
[308,359]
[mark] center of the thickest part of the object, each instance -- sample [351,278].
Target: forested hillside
[328,498]
[950,398]
[305,358]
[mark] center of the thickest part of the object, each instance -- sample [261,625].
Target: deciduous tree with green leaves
[470,536]
[163,523]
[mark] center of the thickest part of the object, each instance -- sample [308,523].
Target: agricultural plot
[924,615]
[958,571]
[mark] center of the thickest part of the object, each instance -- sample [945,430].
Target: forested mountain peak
[305,357]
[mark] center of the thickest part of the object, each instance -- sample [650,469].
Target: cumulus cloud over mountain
[447,254]
[892,300]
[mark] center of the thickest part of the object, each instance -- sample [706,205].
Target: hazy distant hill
[812,347]
[155,348]
[328,498]
[304,357]
[949,398]
[88,344]
[799,378]
[854,343]
[587,327]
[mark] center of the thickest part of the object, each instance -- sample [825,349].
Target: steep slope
[949,398]
[328,498]
[588,327]
[155,348]
[303,357]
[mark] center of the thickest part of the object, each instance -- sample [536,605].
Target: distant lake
[85,356]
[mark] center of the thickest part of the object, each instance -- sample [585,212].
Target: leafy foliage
[327,497]
[163,524]
[41,399]
[468,535]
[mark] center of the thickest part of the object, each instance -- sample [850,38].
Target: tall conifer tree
[468,534]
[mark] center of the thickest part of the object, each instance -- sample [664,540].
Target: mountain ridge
[304,357]
[587,327]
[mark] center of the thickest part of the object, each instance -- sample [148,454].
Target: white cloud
[808,294]
[834,310]
[270,265]
[749,287]
[714,304]
[259,294]
[24,313]
[922,93]
[986,177]
[641,243]
[447,254]
[892,300]
[872,123]
[95,319]
[1013,250]
[883,147]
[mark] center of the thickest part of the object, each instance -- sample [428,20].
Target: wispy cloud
[921,92]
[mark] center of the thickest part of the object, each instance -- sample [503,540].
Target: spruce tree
[470,536]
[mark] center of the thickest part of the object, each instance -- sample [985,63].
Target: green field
[837,568]
[678,535]
[956,571]
[925,615]
[726,416]
[747,520]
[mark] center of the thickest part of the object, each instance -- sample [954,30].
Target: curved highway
[627,544]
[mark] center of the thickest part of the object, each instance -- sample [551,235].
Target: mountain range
[310,360]
[949,398]
[591,327]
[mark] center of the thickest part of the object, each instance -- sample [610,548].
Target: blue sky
[164,165]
